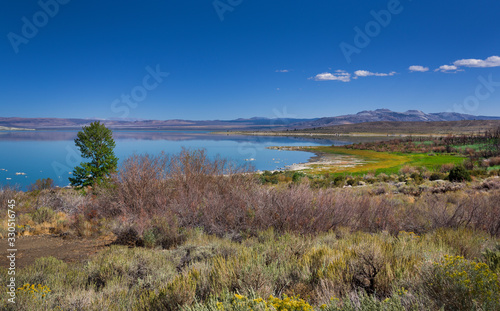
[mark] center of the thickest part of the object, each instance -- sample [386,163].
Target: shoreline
[306,134]
[319,159]
[9,129]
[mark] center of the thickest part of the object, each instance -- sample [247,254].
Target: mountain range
[242,124]
[176,124]
[388,115]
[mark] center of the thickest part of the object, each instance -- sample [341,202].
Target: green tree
[95,143]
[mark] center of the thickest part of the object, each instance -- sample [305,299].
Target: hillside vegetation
[404,128]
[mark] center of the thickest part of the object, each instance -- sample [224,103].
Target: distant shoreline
[308,134]
[4,128]
[320,158]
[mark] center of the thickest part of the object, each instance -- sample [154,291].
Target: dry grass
[338,269]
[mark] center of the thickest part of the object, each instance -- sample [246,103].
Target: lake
[30,155]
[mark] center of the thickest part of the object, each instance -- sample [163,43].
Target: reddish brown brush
[191,190]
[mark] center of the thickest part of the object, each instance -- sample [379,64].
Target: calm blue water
[42,154]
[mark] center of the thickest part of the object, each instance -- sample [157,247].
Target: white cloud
[282,70]
[492,61]
[364,73]
[447,68]
[344,76]
[338,75]
[418,68]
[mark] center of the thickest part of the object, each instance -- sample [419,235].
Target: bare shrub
[8,193]
[195,189]
[41,184]
[494,161]
[141,189]
[67,201]
[484,163]
[457,210]
[408,170]
[162,195]
[445,168]
[367,265]
[129,237]
[489,184]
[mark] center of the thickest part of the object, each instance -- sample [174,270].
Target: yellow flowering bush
[240,302]
[23,229]
[460,284]
[402,291]
[36,291]
[237,302]
[365,302]
[289,304]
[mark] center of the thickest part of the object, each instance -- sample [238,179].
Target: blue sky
[225,59]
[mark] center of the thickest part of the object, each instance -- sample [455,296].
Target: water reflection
[183,135]
[42,154]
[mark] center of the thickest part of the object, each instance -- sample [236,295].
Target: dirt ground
[70,249]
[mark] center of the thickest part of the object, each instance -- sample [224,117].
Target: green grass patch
[475,147]
[492,168]
[382,162]
[433,162]
[426,143]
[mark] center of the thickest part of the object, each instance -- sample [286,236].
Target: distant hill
[402,127]
[238,124]
[243,124]
[388,115]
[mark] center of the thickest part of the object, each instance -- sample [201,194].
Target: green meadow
[383,162]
